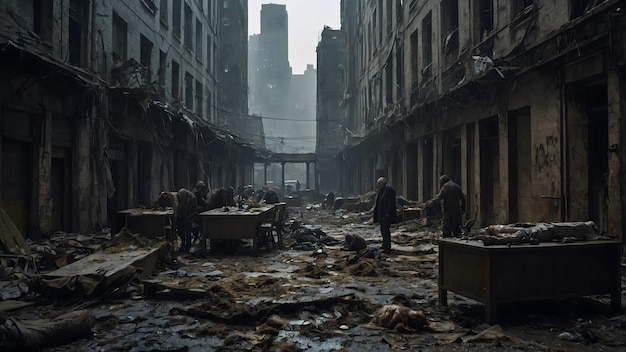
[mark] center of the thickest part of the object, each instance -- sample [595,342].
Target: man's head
[443,179]
[380,183]
[200,186]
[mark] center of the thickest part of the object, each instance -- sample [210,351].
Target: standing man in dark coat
[452,202]
[385,211]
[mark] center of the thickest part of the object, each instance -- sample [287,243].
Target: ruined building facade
[107,103]
[520,102]
[330,63]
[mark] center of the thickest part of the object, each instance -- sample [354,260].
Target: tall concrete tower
[270,79]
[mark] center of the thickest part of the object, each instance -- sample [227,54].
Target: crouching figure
[184,205]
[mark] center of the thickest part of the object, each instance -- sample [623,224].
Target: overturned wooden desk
[148,222]
[508,274]
[234,224]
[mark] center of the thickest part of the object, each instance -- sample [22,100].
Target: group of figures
[450,198]
[186,206]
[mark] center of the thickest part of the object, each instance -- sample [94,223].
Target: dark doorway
[16,183]
[452,155]
[427,161]
[119,200]
[519,165]
[144,176]
[598,131]
[411,171]
[60,181]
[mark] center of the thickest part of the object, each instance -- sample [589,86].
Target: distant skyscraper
[330,59]
[270,76]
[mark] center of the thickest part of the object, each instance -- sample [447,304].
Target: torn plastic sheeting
[482,64]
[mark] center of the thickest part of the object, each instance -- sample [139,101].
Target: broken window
[175,80]
[484,18]
[188,90]
[150,6]
[120,44]
[145,55]
[76,32]
[400,71]
[199,98]
[37,15]
[188,28]
[580,7]
[199,40]
[162,65]
[176,18]
[427,45]
[414,59]
[163,13]
[518,7]
[450,30]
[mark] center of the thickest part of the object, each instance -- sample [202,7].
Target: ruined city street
[311,296]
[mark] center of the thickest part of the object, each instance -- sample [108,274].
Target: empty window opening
[188,91]
[176,18]
[145,57]
[42,19]
[188,28]
[162,65]
[76,32]
[427,44]
[199,50]
[163,12]
[199,104]
[414,59]
[580,7]
[485,18]
[450,30]
[120,41]
[175,80]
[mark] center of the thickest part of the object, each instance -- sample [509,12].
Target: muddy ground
[322,299]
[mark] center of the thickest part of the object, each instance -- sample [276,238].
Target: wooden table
[233,224]
[507,274]
[148,222]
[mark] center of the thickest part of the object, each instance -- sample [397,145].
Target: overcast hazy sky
[306,21]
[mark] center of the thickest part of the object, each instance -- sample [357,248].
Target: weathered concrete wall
[546,142]
[616,140]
